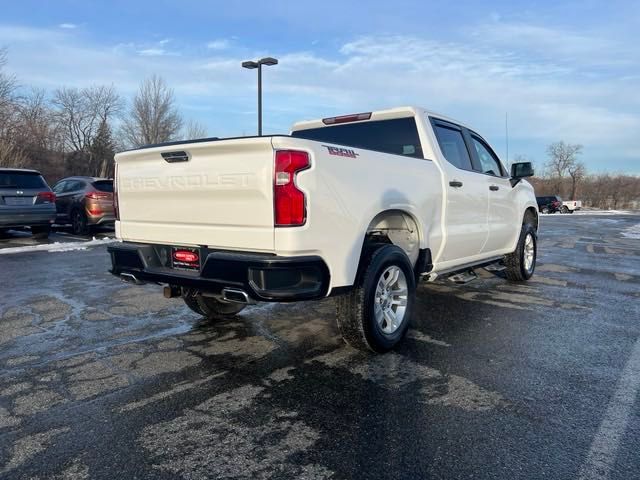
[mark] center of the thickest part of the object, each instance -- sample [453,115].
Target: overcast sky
[562,72]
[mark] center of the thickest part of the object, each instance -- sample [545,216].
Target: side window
[453,147]
[73,186]
[59,187]
[489,164]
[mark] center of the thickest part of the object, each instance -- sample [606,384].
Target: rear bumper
[106,219]
[27,217]
[263,277]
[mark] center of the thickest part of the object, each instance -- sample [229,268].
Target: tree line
[76,131]
[564,174]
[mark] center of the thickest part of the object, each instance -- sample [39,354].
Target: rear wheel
[565,209]
[40,231]
[545,209]
[375,315]
[211,307]
[522,262]
[79,223]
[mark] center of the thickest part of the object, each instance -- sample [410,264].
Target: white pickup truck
[571,206]
[359,206]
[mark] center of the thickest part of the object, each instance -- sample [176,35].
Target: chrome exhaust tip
[235,295]
[131,278]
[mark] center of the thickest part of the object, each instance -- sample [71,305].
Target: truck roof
[387,114]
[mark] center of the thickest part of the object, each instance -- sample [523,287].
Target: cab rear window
[398,136]
[25,180]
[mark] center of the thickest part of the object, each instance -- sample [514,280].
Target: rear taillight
[93,210]
[46,197]
[116,210]
[289,207]
[98,195]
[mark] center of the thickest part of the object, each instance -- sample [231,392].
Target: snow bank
[59,247]
[590,212]
[632,232]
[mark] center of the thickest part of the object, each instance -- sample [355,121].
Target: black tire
[355,310]
[210,307]
[79,223]
[192,303]
[565,209]
[516,270]
[41,232]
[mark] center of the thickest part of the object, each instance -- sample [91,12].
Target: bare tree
[562,156]
[7,99]
[12,156]
[577,171]
[194,130]
[37,127]
[153,117]
[81,112]
[7,82]
[75,121]
[104,101]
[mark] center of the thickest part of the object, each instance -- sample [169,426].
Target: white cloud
[561,44]
[548,97]
[152,52]
[220,44]
[68,26]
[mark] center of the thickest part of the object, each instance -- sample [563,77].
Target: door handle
[455,183]
[494,188]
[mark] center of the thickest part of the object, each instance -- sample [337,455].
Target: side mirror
[519,171]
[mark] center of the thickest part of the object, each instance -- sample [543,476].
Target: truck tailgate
[221,196]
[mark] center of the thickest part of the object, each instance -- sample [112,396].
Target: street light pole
[251,65]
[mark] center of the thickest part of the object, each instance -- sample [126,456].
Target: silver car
[26,201]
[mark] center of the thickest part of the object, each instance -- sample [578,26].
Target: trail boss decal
[341,152]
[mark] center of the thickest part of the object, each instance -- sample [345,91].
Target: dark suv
[84,202]
[26,201]
[549,204]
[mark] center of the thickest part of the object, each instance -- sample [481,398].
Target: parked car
[26,201]
[358,206]
[84,202]
[571,206]
[549,204]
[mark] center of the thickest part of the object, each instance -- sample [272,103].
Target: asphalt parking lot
[496,380]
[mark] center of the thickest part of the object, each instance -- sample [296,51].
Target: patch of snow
[58,246]
[591,212]
[632,232]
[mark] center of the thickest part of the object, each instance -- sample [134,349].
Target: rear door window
[22,180]
[104,185]
[452,146]
[398,136]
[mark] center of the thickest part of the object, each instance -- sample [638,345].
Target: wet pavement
[99,379]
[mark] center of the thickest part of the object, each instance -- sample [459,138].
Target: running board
[463,277]
[491,264]
[495,267]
